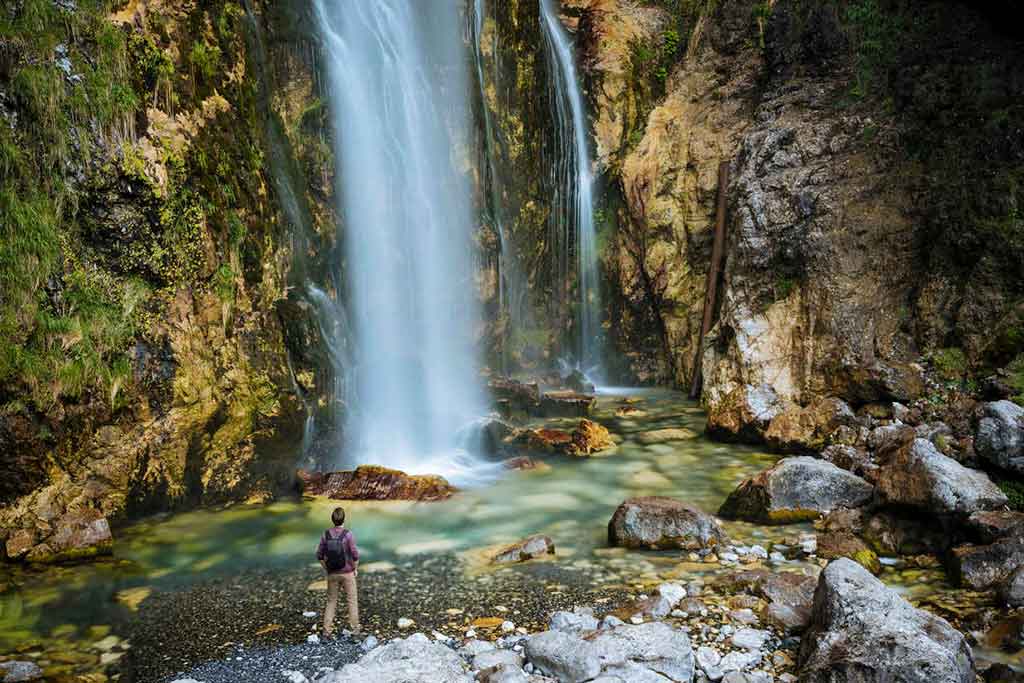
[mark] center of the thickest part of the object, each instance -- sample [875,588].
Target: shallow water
[571,502]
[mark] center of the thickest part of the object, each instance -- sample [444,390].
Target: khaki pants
[349,582]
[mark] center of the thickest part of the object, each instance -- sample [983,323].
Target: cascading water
[572,214]
[398,94]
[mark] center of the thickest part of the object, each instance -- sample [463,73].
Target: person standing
[339,556]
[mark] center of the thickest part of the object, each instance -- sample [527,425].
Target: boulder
[566,404]
[564,655]
[795,490]
[1011,590]
[589,437]
[851,459]
[890,436]
[659,522]
[484,437]
[580,619]
[982,567]
[76,536]
[861,632]
[578,382]
[517,397]
[807,429]
[646,652]
[838,544]
[991,525]
[19,672]
[790,595]
[526,549]
[887,532]
[1000,436]
[415,659]
[744,413]
[915,474]
[371,482]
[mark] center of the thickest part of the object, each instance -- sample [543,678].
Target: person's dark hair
[338,516]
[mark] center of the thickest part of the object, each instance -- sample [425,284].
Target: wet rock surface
[659,522]
[863,631]
[796,489]
[371,482]
[986,566]
[527,549]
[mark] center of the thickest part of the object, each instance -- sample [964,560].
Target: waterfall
[572,215]
[397,86]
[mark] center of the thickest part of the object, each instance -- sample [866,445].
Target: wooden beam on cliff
[714,274]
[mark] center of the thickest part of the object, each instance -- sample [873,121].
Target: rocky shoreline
[858,630]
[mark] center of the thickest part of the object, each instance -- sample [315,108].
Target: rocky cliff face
[847,269]
[144,363]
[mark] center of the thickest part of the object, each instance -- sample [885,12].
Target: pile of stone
[856,630]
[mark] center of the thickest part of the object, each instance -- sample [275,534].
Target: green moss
[1014,490]
[950,363]
[1016,378]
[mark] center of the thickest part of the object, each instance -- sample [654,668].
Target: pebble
[507,627]
[309,615]
[405,623]
[750,638]
[312,638]
[370,643]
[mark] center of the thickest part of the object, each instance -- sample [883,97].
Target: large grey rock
[986,566]
[806,429]
[647,652]
[415,659]
[915,474]
[795,490]
[1000,436]
[563,655]
[659,522]
[580,619]
[19,672]
[1011,590]
[863,632]
[992,525]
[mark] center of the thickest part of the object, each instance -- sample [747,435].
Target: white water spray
[398,94]
[572,177]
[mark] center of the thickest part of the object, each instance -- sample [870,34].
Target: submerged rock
[525,463]
[659,522]
[526,549]
[862,631]
[566,404]
[1000,436]
[665,435]
[371,482]
[915,474]
[795,490]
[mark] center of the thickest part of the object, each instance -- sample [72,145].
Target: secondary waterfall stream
[572,213]
[398,93]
